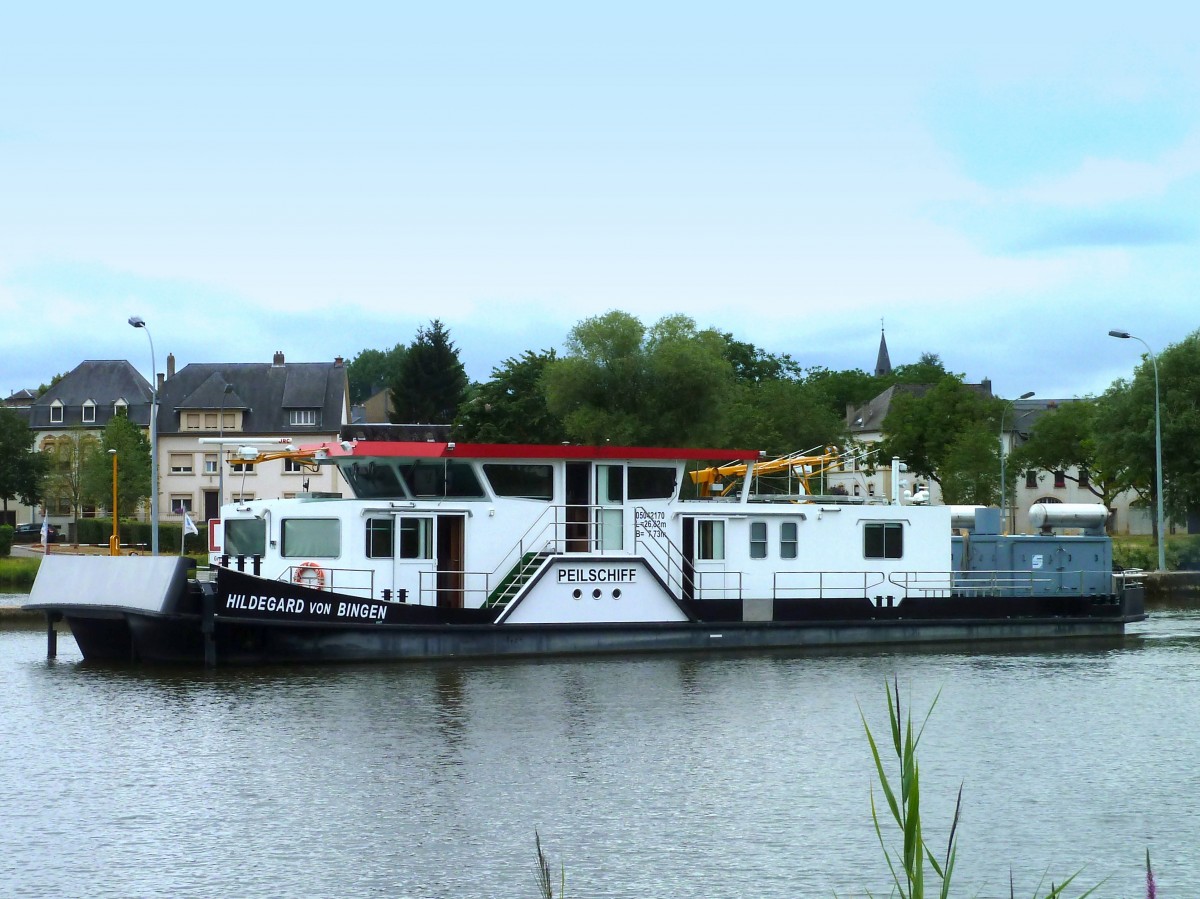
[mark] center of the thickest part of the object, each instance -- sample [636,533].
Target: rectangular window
[787,540]
[1060,479]
[1084,480]
[416,538]
[379,538]
[524,481]
[210,463]
[89,412]
[228,419]
[710,539]
[56,414]
[303,418]
[240,467]
[210,421]
[181,463]
[758,539]
[309,538]
[650,482]
[181,503]
[245,536]
[1031,480]
[191,421]
[291,466]
[242,497]
[883,541]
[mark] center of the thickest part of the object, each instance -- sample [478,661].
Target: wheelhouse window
[373,480]
[245,537]
[758,539]
[311,538]
[521,481]
[416,538]
[379,538]
[710,539]
[445,478]
[883,540]
[788,541]
[650,481]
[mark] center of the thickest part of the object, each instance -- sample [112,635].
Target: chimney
[338,361]
[170,365]
[278,360]
[161,378]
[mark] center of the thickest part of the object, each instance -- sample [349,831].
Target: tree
[779,417]
[753,364]
[66,462]
[21,466]
[841,389]
[371,370]
[511,407]
[924,426]
[133,467]
[970,471]
[429,384]
[624,384]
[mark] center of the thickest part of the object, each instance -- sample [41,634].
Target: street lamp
[221,451]
[114,542]
[138,322]
[1158,479]
[1003,456]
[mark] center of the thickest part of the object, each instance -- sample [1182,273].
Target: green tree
[430,383]
[511,407]
[371,370]
[924,426]
[66,462]
[780,417]
[624,384]
[841,389]
[751,363]
[21,467]
[133,467]
[970,472]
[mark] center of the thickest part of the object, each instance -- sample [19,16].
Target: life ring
[309,574]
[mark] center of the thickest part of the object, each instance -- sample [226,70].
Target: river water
[657,776]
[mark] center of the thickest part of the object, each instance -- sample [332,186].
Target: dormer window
[304,418]
[120,406]
[56,413]
[89,412]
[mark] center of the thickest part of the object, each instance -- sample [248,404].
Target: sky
[998,185]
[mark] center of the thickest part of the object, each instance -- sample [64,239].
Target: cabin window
[522,481]
[883,541]
[444,479]
[710,539]
[788,541]
[416,538]
[373,480]
[311,538]
[650,482]
[245,537]
[758,539]
[379,538]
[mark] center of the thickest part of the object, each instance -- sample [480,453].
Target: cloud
[1109,230]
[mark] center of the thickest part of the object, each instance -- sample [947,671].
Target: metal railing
[826,584]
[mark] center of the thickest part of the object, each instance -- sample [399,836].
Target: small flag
[45,531]
[189,526]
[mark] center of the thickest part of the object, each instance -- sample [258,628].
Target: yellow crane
[802,466]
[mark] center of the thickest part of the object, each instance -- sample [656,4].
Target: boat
[449,549]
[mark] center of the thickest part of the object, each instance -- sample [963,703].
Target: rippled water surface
[656,776]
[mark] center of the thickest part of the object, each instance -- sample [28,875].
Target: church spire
[883,363]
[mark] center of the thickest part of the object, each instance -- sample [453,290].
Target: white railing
[827,584]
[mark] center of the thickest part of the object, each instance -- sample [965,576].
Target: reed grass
[17,574]
[545,881]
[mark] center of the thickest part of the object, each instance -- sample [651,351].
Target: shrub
[6,534]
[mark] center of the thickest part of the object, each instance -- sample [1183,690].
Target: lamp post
[1158,477]
[1004,457]
[114,542]
[221,450]
[137,322]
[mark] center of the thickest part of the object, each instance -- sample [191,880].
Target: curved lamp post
[114,542]
[1004,457]
[1158,479]
[138,322]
